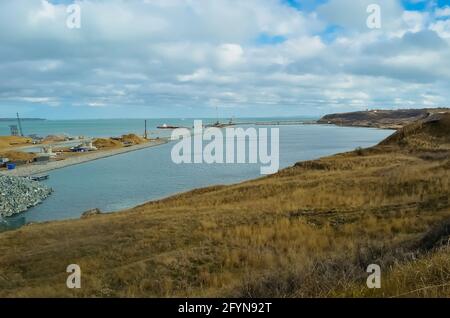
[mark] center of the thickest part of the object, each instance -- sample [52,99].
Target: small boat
[165,126]
[39,178]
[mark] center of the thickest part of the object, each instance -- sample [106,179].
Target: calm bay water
[111,127]
[130,179]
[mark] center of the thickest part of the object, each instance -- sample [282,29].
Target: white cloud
[36,99]
[181,55]
[97,104]
[443,12]
[353,14]
[415,21]
[442,28]
[47,11]
[229,55]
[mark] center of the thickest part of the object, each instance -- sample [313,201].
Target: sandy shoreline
[34,169]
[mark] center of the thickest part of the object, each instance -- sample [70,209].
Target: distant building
[85,147]
[35,139]
[42,159]
[89,145]
[47,152]
[14,130]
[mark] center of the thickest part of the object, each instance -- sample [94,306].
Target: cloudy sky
[182,58]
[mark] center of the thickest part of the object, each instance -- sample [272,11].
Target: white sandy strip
[34,169]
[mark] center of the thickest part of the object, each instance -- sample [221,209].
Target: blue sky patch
[267,39]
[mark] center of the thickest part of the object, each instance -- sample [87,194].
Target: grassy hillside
[381,118]
[310,230]
[430,133]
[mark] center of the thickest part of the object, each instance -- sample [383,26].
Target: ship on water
[165,126]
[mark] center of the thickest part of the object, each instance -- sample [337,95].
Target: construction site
[28,154]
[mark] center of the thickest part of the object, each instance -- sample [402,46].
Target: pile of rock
[90,213]
[18,194]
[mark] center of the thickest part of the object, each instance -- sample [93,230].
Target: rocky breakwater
[18,194]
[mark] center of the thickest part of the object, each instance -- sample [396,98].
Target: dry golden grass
[8,142]
[103,143]
[308,231]
[132,138]
[107,143]
[428,276]
[18,155]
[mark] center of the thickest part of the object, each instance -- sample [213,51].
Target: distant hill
[393,119]
[23,119]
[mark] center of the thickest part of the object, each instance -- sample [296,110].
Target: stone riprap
[18,194]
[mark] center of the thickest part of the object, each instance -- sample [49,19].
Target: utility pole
[20,125]
[217,114]
[145,130]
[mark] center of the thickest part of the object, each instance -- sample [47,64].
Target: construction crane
[20,125]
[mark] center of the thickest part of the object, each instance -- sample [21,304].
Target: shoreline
[36,169]
[30,170]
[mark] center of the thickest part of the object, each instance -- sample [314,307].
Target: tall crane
[20,125]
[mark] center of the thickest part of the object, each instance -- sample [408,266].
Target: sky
[252,58]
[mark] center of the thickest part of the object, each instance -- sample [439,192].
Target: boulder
[90,213]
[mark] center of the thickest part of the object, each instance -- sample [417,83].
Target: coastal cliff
[388,119]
